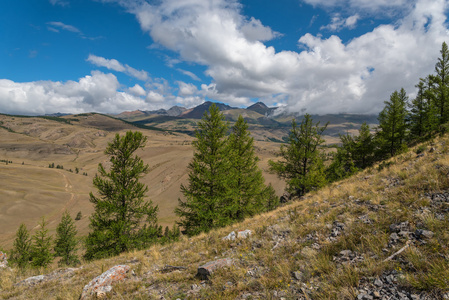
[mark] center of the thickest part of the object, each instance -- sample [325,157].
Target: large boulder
[102,284]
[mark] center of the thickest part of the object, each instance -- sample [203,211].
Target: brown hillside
[31,190]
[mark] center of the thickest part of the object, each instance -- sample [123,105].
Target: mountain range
[265,123]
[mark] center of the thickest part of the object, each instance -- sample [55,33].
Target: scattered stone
[365,219]
[386,286]
[207,269]
[403,226]
[241,234]
[423,234]
[297,275]
[3,260]
[337,229]
[102,284]
[378,282]
[348,256]
[229,237]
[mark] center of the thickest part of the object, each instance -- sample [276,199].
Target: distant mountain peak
[257,104]
[261,108]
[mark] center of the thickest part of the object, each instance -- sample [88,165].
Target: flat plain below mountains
[30,189]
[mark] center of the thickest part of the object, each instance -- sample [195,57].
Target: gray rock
[229,237]
[394,236]
[297,275]
[102,284]
[424,234]
[345,253]
[378,282]
[30,281]
[207,269]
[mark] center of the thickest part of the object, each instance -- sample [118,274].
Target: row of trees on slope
[401,123]
[37,249]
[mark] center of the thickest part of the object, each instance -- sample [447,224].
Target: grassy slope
[286,240]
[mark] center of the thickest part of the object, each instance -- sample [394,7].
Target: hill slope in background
[381,234]
[29,189]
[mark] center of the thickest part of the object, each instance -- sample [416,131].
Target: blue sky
[319,56]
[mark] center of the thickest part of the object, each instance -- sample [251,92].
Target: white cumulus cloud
[113,64]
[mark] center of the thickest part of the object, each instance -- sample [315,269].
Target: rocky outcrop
[59,275]
[102,284]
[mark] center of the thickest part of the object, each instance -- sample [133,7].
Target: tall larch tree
[203,207]
[21,251]
[441,83]
[41,255]
[301,161]
[65,242]
[364,147]
[122,216]
[247,193]
[392,125]
[419,114]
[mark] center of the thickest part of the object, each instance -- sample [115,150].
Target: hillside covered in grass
[381,234]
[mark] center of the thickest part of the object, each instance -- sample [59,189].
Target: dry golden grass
[30,190]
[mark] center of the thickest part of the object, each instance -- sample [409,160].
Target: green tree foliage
[364,148]
[302,161]
[21,252]
[66,243]
[355,153]
[419,117]
[41,255]
[343,160]
[392,125]
[247,193]
[203,207]
[441,85]
[117,223]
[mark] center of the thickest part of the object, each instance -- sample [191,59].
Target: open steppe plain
[29,189]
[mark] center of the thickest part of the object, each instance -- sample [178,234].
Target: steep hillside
[381,234]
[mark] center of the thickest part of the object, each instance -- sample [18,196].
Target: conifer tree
[204,207]
[419,114]
[117,223]
[392,124]
[441,83]
[21,252]
[364,148]
[343,160]
[248,194]
[66,243]
[302,163]
[41,255]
